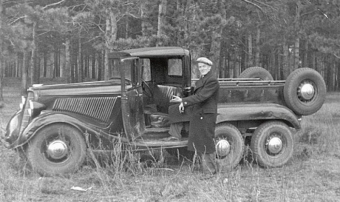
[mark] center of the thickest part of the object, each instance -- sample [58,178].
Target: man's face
[203,68]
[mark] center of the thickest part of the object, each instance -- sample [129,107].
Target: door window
[132,71]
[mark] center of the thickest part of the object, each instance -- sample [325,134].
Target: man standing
[203,115]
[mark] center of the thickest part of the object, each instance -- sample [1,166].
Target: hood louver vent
[99,108]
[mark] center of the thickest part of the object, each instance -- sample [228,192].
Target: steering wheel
[127,81]
[146,89]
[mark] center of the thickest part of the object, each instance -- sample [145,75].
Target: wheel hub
[275,145]
[222,147]
[306,91]
[57,149]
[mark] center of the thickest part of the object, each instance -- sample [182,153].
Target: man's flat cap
[204,60]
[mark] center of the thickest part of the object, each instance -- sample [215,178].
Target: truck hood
[77,89]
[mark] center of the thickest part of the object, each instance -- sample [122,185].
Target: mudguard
[80,122]
[251,112]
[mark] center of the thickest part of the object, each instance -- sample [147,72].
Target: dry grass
[312,175]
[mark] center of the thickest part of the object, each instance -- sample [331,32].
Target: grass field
[312,175]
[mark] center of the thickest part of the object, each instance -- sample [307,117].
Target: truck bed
[251,91]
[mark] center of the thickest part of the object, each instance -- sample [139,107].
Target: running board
[158,143]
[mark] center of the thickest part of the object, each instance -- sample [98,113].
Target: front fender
[251,112]
[48,118]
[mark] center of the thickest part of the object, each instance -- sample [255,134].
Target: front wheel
[272,144]
[229,145]
[56,150]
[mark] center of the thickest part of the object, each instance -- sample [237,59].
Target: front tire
[56,150]
[272,144]
[229,146]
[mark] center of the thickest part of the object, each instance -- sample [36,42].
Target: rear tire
[272,144]
[229,145]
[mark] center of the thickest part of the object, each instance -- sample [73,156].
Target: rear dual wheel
[272,144]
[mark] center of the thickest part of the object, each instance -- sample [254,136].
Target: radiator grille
[99,108]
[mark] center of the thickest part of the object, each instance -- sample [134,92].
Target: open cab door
[132,97]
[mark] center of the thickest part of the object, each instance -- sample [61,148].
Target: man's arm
[206,92]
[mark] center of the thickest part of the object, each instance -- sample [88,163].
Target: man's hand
[176,99]
[181,108]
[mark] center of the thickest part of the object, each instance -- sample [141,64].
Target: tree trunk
[55,62]
[297,53]
[45,64]
[87,72]
[94,65]
[85,65]
[297,38]
[146,26]
[272,64]
[328,66]
[250,50]
[257,53]
[338,75]
[305,55]
[161,19]
[285,67]
[1,60]
[79,62]
[100,66]
[1,82]
[56,70]
[1,79]
[111,36]
[107,46]
[215,50]
[24,74]
[35,71]
[228,69]
[67,68]
[186,13]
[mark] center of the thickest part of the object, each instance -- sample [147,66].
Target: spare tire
[256,72]
[304,91]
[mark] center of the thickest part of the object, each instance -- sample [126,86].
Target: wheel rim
[274,144]
[57,149]
[306,91]
[222,148]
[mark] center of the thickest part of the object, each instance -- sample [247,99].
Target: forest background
[71,39]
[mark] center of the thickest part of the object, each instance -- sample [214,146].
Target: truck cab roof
[150,52]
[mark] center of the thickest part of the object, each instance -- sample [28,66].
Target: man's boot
[208,163]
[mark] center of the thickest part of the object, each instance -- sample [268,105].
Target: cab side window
[175,67]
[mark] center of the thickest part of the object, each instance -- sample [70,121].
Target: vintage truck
[56,125]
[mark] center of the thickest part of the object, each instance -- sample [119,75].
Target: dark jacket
[204,112]
[205,95]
